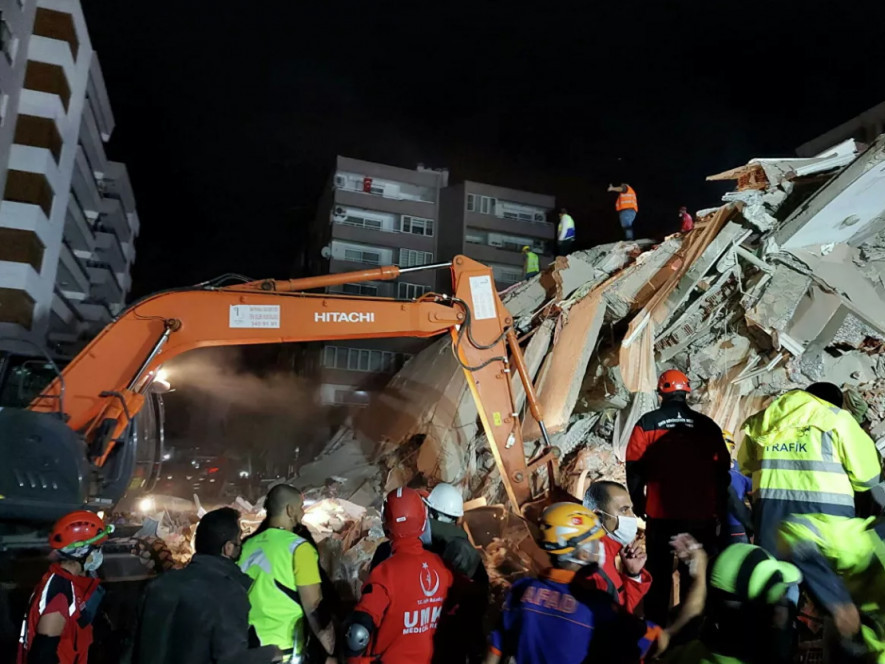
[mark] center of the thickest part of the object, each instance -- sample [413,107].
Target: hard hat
[728,437]
[673,381]
[77,532]
[447,500]
[405,514]
[526,248]
[747,573]
[566,525]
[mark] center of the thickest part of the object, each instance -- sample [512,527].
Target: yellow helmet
[526,248]
[728,436]
[566,525]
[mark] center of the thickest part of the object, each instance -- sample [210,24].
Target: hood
[794,410]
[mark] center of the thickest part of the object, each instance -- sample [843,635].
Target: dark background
[229,115]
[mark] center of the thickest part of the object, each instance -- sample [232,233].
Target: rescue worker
[404,597]
[611,502]
[532,265]
[626,206]
[286,595]
[565,234]
[746,611]
[678,476]
[560,618]
[200,614]
[444,537]
[740,520]
[807,457]
[58,626]
[687,221]
[843,563]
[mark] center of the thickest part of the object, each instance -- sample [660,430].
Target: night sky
[229,118]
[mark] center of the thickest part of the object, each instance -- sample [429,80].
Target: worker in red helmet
[403,598]
[678,478]
[58,626]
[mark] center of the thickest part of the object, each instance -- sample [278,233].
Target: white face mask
[94,561]
[628,527]
[576,556]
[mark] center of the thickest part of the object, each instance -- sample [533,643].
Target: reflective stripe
[805,522]
[870,483]
[792,495]
[797,464]
[826,446]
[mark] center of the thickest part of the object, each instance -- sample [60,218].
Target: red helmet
[673,381]
[405,514]
[82,528]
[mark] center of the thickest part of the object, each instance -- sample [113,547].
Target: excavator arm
[100,391]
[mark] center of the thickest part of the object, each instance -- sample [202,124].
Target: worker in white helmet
[461,637]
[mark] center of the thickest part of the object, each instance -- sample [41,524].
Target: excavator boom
[101,390]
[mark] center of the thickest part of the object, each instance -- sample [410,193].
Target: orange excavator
[70,447]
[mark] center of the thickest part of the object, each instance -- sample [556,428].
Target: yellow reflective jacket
[806,457]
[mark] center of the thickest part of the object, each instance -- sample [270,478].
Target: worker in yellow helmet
[532,264]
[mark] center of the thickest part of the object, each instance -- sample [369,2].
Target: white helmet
[446,500]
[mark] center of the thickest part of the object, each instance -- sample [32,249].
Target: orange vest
[627,201]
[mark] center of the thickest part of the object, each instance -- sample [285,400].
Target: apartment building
[492,224]
[68,221]
[372,215]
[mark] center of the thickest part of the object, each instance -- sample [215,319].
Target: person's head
[285,506]
[673,385]
[76,540]
[404,514]
[526,249]
[748,595]
[562,211]
[610,501]
[445,503]
[827,392]
[571,535]
[683,210]
[219,534]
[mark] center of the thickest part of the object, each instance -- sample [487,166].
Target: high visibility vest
[531,262]
[566,228]
[627,200]
[808,456]
[276,612]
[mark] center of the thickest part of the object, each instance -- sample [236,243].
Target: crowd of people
[694,589]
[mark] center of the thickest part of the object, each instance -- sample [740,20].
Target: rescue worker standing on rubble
[611,502]
[740,520]
[565,233]
[563,618]
[808,457]
[532,265]
[404,597]
[686,220]
[286,590]
[58,625]
[678,475]
[626,206]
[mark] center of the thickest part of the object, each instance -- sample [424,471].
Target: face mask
[94,561]
[626,531]
[576,556]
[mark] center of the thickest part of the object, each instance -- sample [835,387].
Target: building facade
[492,224]
[68,221]
[373,215]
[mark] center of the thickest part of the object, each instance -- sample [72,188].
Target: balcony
[48,78]
[38,132]
[114,219]
[16,305]
[84,187]
[380,237]
[358,199]
[91,141]
[64,322]
[71,277]
[20,276]
[97,314]
[21,246]
[108,250]
[104,284]
[58,26]
[78,232]
[486,254]
[495,224]
[29,188]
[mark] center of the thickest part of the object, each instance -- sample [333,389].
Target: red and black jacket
[678,465]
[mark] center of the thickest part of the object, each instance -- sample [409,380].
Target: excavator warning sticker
[483,297]
[255,315]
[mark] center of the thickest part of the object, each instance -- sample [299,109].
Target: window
[363,359]
[351,397]
[355,289]
[514,242]
[28,187]
[39,133]
[363,256]
[471,203]
[8,41]
[481,204]
[410,291]
[16,306]
[506,275]
[18,246]
[472,236]
[412,258]
[416,226]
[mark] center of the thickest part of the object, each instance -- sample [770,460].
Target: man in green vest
[285,592]
[532,266]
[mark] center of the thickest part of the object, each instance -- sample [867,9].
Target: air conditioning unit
[340,181]
[339,214]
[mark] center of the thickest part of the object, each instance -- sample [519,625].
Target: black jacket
[198,615]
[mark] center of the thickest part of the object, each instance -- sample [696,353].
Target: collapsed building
[781,286]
